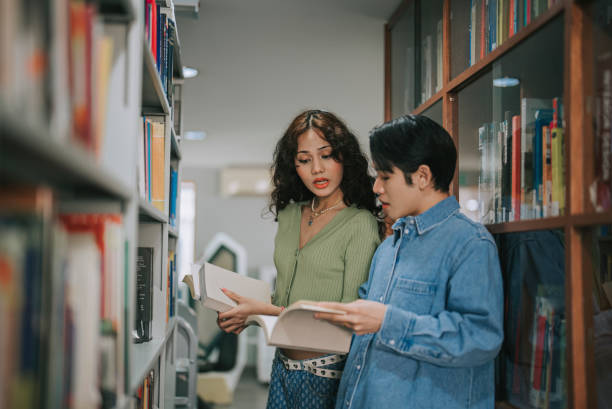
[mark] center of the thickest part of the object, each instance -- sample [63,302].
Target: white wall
[261,62]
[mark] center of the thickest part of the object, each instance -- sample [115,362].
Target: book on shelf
[296,328]
[152,161]
[171,290]
[529,107]
[601,187]
[95,260]
[439,60]
[521,173]
[25,223]
[426,68]
[173,195]
[144,294]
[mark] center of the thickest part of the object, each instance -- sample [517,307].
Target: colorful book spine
[558,177]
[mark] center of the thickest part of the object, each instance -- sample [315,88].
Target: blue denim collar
[429,219]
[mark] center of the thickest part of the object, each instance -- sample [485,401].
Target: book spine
[516,166]
[558,183]
[158,165]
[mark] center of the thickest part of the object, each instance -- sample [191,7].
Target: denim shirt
[439,275]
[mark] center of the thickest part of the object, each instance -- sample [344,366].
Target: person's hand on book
[234,320]
[361,316]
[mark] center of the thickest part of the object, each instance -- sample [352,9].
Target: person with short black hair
[429,323]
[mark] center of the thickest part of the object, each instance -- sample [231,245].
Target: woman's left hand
[361,316]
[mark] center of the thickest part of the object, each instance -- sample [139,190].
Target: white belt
[314,365]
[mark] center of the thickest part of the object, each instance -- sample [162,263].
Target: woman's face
[314,163]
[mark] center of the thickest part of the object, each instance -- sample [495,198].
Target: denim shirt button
[381,299]
[358,367]
[392,342]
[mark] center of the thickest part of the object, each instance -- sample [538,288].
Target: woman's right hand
[234,320]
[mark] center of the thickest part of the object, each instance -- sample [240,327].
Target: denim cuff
[396,328]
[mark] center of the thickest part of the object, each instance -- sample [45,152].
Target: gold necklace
[314,213]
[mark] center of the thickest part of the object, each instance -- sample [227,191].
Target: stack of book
[521,173]
[152,161]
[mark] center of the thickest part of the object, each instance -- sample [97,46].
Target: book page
[266,322]
[297,328]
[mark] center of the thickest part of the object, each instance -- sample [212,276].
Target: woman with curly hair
[327,234]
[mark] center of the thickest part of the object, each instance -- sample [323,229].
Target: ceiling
[263,61]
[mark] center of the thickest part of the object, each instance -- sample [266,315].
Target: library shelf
[144,356]
[30,153]
[173,232]
[560,53]
[147,212]
[154,99]
[176,148]
[116,11]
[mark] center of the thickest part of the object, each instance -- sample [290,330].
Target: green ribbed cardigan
[332,265]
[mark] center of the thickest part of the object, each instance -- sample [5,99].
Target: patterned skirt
[301,388]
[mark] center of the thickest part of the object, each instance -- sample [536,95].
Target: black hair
[356,183]
[413,140]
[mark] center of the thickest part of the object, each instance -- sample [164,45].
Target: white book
[294,328]
[83,292]
[297,328]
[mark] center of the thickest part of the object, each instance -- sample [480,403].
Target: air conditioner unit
[245,181]
[189,6]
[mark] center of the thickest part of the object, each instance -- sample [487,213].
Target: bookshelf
[76,81]
[526,91]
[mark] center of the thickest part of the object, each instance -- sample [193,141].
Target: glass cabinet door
[531,368]
[511,134]
[480,26]
[416,55]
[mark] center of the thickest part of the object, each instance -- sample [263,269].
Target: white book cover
[83,292]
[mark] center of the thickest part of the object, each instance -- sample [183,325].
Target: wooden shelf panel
[31,154]
[147,212]
[528,225]
[173,232]
[175,147]
[116,11]
[154,99]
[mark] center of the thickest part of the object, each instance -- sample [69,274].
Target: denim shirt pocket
[413,295]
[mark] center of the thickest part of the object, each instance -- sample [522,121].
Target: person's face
[314,164]
[398,199]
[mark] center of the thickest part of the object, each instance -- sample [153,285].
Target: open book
[295,328]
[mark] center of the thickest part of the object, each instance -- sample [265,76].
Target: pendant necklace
[314,214]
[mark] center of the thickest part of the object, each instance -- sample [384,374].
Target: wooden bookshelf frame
[579,140]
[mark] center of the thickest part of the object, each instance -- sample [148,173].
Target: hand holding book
[234,320]
[361,316]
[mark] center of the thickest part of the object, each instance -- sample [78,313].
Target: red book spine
[539,353]
[482,30]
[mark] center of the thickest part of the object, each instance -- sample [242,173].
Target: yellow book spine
[158,166]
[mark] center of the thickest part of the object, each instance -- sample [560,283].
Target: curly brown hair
[356,183]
